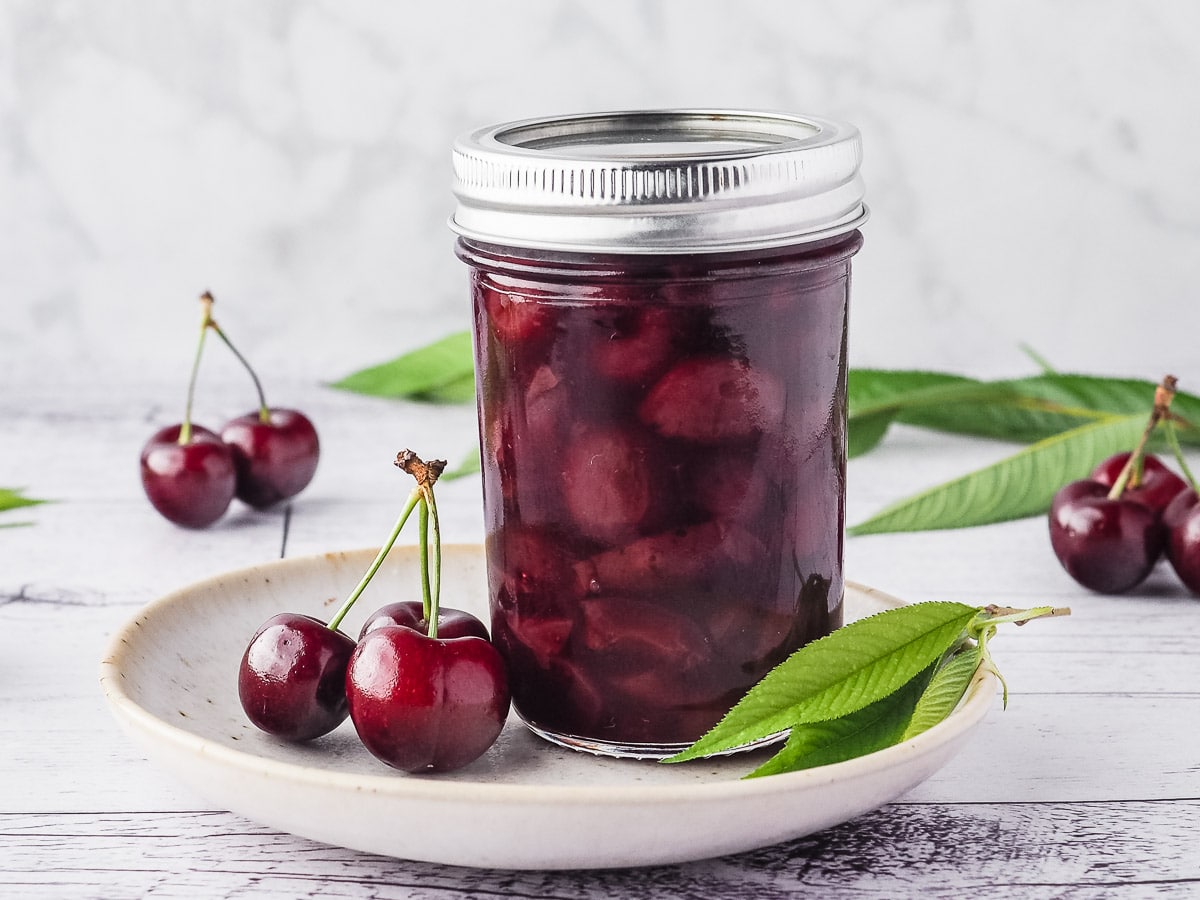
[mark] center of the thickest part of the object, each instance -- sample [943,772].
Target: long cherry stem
[185,430]
[264,412]
[1163,395]
[413,499]
[1173,440]
[435,606]
[426,473]
[423,540]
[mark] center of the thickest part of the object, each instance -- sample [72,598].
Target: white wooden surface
[1087,786]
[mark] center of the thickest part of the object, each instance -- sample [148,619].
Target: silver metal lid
[659,181]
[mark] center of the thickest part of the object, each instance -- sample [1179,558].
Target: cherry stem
[436,605]
[426,473]
[996,615]
[264,412]
[983,628]
[413,499]
[423,537]
[185,430]
[1163,395]
[1173,440]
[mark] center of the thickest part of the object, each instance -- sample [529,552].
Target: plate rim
[974,706]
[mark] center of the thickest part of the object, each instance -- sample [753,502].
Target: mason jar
[660,303]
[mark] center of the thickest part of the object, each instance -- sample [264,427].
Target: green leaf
[12,498]
[444,365]
[945,690]
[864,432]
[460,391]
[1018,486]
[872,389]
[877,397]
[471,463]
[872,728]
[1050,403]
[839,674]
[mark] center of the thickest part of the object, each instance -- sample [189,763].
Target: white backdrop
[1032,167]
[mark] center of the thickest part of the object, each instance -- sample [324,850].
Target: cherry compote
[663,473]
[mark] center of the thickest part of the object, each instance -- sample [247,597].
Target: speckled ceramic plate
[170,676]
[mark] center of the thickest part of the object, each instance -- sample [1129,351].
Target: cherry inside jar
[663,448]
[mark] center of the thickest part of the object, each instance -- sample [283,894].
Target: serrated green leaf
[877,397]
[945,690]
[1048,404]
[424,371]
[871,389]
[839,674]
[872,728]
[1020,485]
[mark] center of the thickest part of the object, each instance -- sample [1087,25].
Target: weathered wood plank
[1015,849]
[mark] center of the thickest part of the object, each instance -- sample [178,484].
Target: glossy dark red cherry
[424,704]
[190,484]
[1106,545]
[452,623]
[275,459]
[1181,519]
[1178,509]
[1158,485]
[292,680]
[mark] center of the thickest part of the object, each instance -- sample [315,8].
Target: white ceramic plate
[170,676]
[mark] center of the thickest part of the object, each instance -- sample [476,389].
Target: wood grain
[1040,850]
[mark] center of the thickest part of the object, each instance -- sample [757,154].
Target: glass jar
[660,308]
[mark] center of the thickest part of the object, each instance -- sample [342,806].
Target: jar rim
[654,181]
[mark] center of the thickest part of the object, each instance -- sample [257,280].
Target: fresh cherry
[1182,518]
[424,704]
[275,450]
[189,480]
[1156,487]
[292,680]
[1178,509]
[1107,545]
[188,473]
[1108,531]
[452,623]
[276,454]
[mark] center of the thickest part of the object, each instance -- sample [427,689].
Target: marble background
[1032,167]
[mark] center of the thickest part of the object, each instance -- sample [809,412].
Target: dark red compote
[663,475]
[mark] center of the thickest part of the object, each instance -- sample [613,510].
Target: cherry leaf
[12,498]
[872,728]
[945,690]
[439,372]
[1018,486]
[839,674]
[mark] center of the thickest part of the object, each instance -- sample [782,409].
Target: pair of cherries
[191,474]
[1110,530]
[1111,543]
[424,687]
